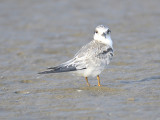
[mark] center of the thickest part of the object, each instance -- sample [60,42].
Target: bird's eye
[108,31]
[96,31]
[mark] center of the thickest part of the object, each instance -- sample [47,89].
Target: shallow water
[35,35]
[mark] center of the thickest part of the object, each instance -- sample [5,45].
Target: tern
[91,59]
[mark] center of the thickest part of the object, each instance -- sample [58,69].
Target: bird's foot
[100,85]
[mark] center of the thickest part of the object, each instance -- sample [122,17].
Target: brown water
[38,34]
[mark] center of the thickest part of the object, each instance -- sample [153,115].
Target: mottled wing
[82,57]
[94,53]
[77,63]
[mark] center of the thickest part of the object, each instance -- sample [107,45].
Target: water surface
[35,35]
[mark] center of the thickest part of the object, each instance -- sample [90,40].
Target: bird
[91,59]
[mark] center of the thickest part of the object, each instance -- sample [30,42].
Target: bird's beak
[104,34]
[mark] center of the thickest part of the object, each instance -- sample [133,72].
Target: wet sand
[35,35]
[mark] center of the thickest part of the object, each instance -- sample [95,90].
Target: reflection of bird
[91,59]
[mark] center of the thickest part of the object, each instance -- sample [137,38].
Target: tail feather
[46,72]
[60,69]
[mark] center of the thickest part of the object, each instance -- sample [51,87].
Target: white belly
[89,72]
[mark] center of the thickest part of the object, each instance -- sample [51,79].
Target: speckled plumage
[92,58]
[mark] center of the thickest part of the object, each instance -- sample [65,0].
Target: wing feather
[92,53]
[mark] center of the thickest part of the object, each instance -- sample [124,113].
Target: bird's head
[102,34]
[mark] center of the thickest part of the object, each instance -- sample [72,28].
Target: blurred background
[36,34]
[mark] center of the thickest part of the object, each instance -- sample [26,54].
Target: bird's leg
[87,81]
[98,80]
